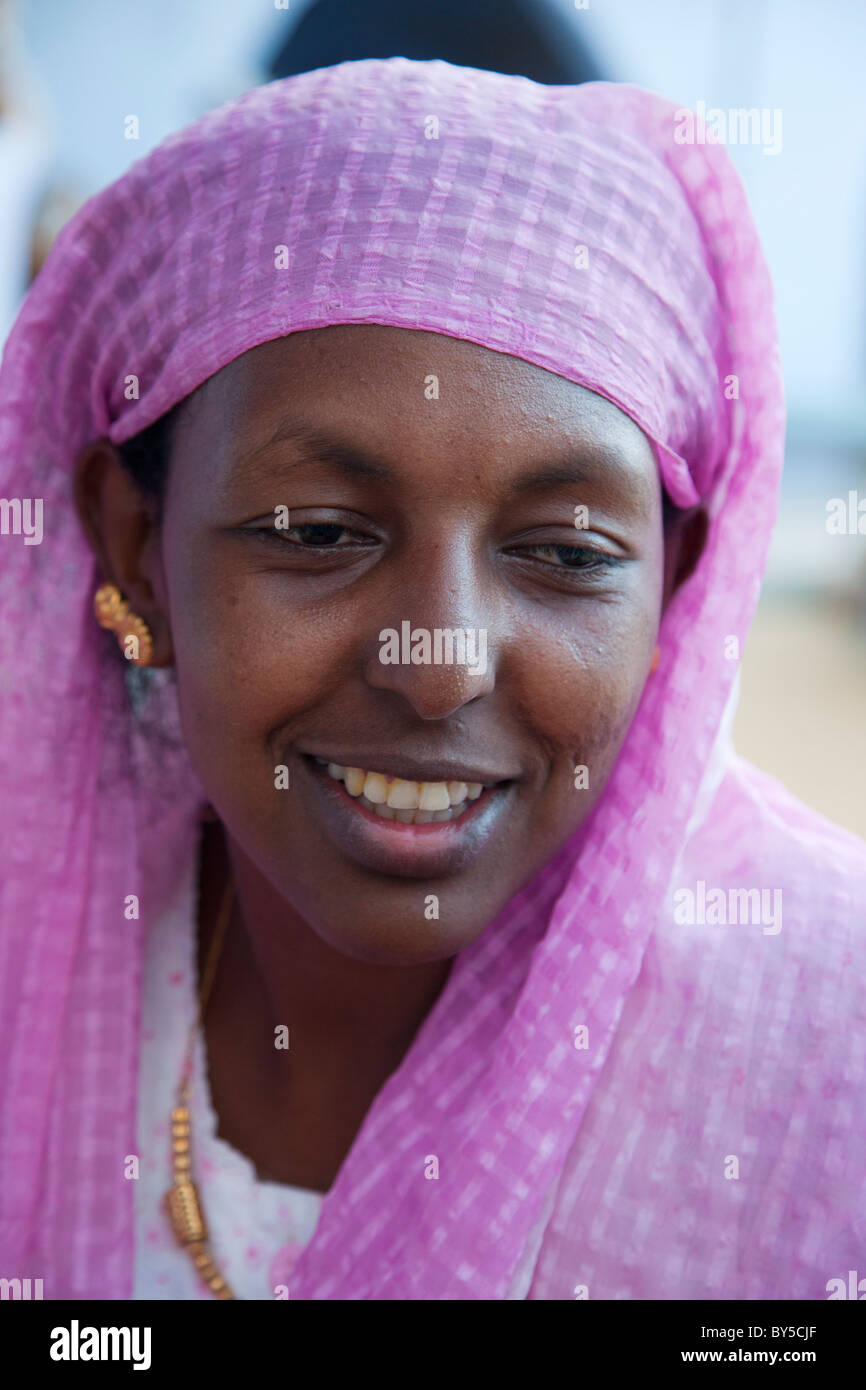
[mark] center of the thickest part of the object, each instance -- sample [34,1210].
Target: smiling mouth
[403,799]
[441,823]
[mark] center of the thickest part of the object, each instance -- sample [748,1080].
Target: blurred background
[72,76]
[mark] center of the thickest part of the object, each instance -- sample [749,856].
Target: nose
[434,646]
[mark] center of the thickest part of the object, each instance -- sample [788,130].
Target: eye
[318,533]
[313,535]
[573,557]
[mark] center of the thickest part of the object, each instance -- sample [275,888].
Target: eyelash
[600,559]
[282,535]
[598,562]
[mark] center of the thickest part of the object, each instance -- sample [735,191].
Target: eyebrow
[315,445]
[562,475]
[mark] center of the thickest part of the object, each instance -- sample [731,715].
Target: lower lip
[393,847]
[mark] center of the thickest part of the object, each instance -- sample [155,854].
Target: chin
[401,937]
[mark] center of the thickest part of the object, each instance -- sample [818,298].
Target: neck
[297,979]
[349,1023]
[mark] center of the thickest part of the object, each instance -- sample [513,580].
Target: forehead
[395,389]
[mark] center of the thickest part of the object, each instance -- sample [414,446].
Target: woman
[515,982]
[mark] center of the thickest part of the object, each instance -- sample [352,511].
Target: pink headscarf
[568,227]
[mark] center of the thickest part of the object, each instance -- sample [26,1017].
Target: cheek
[582,679]
[246,658]
[252,657]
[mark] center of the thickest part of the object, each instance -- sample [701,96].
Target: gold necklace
[182,1201]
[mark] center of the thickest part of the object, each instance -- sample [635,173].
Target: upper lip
[411,769]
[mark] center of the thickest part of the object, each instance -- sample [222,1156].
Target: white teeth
[398,798]
[404,795]
[375,788]
[434,797]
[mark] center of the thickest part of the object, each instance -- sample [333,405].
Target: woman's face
[331,486]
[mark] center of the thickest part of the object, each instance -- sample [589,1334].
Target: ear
[685,539]
[122,528]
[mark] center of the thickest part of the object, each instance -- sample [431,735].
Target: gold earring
[113,612]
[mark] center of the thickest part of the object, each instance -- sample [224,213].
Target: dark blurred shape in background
[529,37]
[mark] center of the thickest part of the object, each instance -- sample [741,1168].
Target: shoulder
[764,931]
[758,803]
[758,836]
[767,909]
[761,1014]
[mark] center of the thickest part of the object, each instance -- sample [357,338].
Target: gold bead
[182,1200]
[109,605]
[113,612]
[134,626]
[185,1213]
